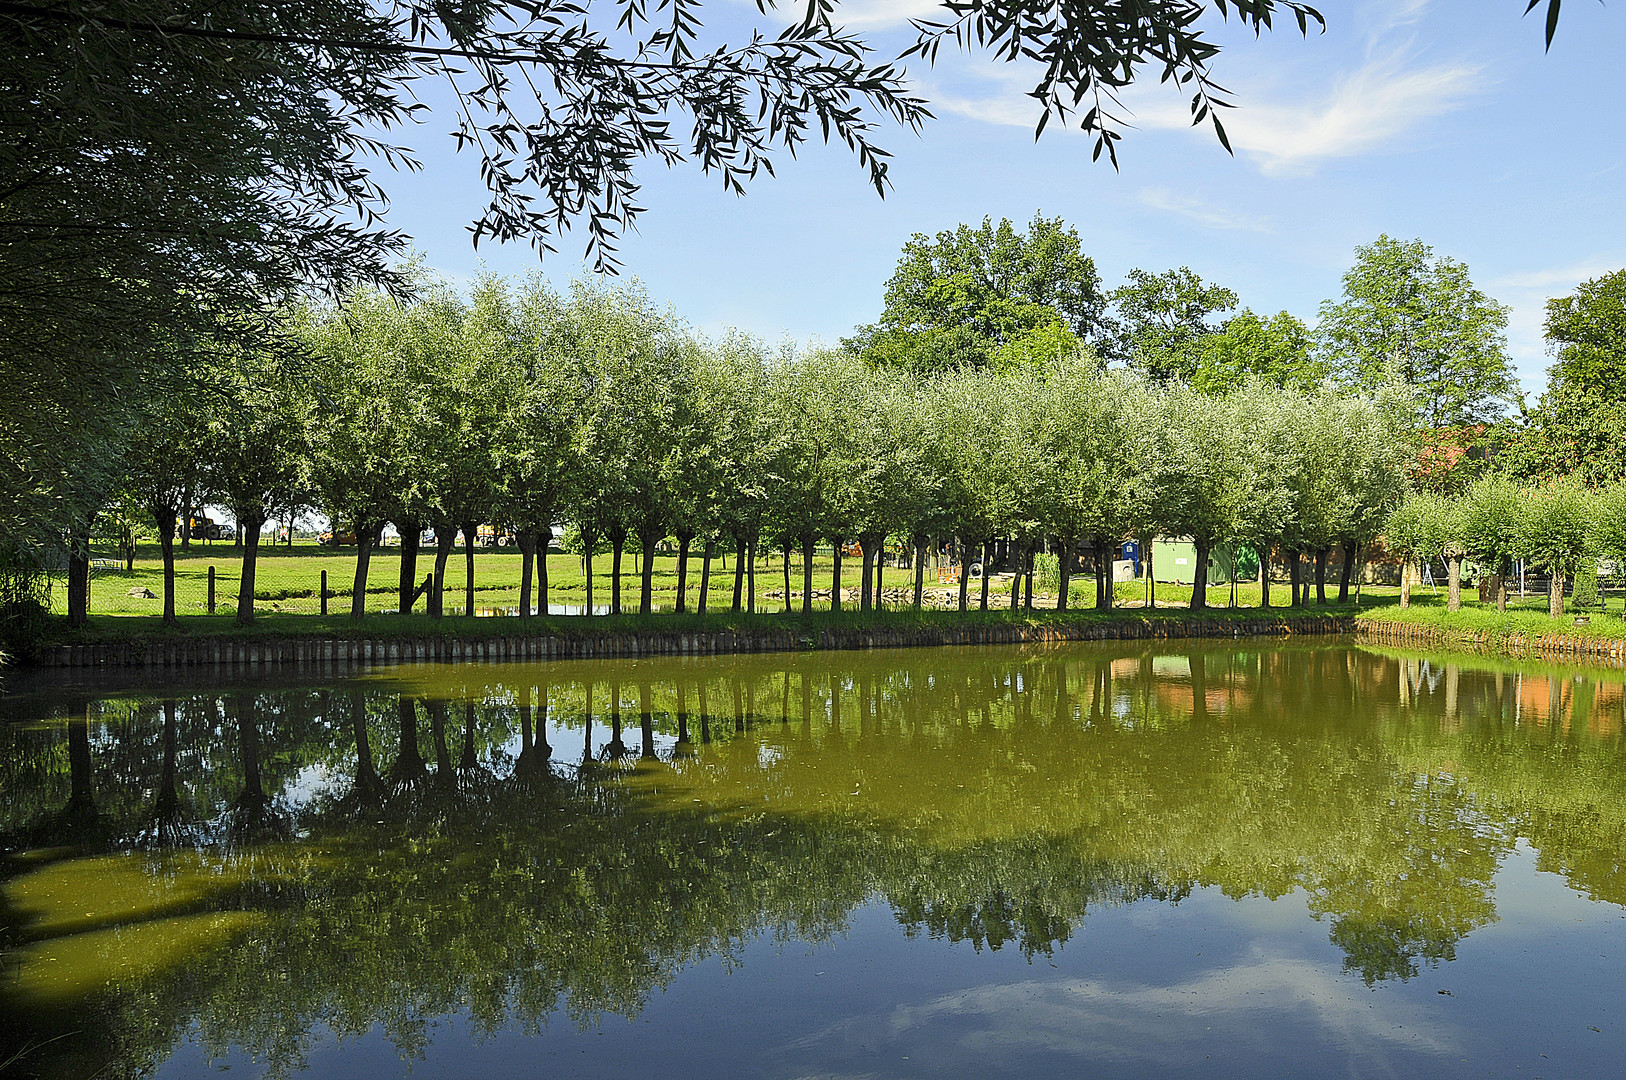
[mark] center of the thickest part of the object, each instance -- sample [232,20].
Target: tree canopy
[990,294]
[1408,313]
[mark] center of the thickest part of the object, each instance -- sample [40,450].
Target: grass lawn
[288,580]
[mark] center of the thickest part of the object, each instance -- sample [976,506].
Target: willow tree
[535,452]
[1207,476]
[1554,532]
[375,356]
[1493,510]
[162,463]
[965,427]
[457,452]
[254,461]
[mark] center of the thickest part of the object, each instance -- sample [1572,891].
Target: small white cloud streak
[1526,293]
[882,14]
[1370,109]
[1367,110]
[1203,213]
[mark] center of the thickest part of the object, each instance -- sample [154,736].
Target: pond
[1250,860]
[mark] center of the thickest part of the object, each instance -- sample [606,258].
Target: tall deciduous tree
[1163,320]
[1408,313]
[1579,427]
[986,294]
[1275,350]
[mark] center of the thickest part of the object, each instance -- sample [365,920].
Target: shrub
[1586,586]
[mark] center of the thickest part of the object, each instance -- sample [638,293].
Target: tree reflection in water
[994,797]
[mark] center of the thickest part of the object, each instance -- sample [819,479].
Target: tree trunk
[407,581]
[751,574]
[789,603]
[684,540]
[920,570]
[1321,555]
[739,573]
[618,544]
[807,574]
[1501,584]
[1029,556]
[1264,575]
[866,578]
[444,537]
[470,534]
[1292,558]
[544,537]
[1199,575]
[1351,550]
[365,534]
[983,603]
[245,587]
[1151,579]
[835,581]
[166,551]
[79,575]
[705,577]
[1405,583]
[1555,593]
[1453,570]
[527,548]
[1064,571]
[646,585]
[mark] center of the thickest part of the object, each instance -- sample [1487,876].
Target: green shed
[1174,559]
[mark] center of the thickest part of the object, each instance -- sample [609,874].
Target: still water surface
[1110,860]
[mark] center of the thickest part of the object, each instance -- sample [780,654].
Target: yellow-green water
[1115,860]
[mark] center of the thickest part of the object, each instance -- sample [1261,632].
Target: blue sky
[1442,120]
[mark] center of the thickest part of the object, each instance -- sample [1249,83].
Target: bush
[25,600]
[1586,586]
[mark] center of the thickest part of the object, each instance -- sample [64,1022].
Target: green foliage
[1275,350]
[1163,321]
[1409,314]
[986,295]
[1555,527]
[1586,596]
[1492,521]
[1579,426]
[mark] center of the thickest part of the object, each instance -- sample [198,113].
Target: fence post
[324,592]
[211,590]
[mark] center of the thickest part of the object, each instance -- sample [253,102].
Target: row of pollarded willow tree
[530,408]
[1557,527]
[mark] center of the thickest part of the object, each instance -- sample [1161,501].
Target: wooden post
[211,590]
[324,592]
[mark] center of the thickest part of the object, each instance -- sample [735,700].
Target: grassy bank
[123,629]
[1520,624]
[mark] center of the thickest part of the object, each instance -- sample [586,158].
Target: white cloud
[1382,16]
[1369,109]
[879,14]
[1204,213]
[1558,279]
[1285,130]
